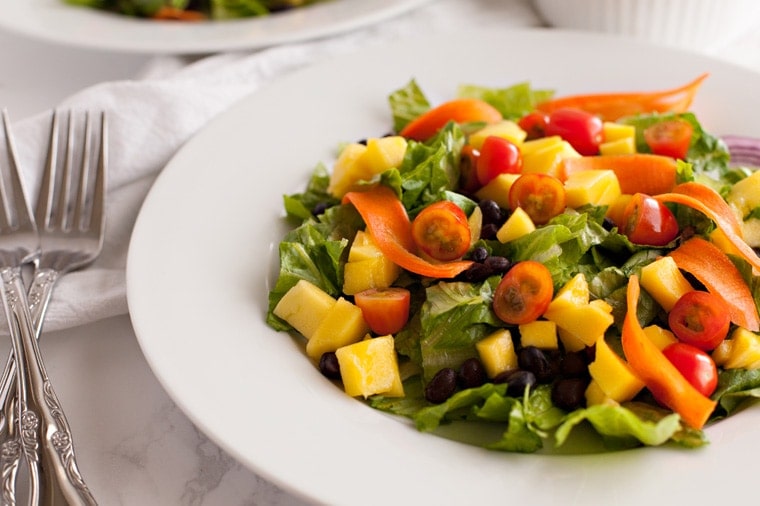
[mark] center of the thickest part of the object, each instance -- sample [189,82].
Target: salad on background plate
[533,264]
[193,10]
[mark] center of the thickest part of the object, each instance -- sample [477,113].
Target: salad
[533,263]
[193,10]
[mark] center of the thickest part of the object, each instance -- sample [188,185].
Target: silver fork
[19,245]
[71,223]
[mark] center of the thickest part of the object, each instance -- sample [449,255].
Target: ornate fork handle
[44,433]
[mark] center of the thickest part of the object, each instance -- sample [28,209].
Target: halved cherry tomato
[583,130]
[695,365]
[647,221]
[441,231]
[460,110]
[669,138]
[523,293]
[700,319]
[534,123]
[386,310]
[497,156]
[541,196]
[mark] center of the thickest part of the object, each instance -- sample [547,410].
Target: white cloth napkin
[152,117]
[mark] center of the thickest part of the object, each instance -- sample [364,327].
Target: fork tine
[5,222]
[47,184]
[84,171]
[97,216]
[17,213]
[64,197]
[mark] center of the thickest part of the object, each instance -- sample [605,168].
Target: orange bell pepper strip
[460,110]
[709,202]
[659,375]
[714,269]
[613,106]
[636,173]
[389,226]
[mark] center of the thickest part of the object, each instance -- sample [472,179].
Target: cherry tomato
[497,156]
[441,231]
[695,365]
[645,220]
[700,319]
[669,138]
[523,293]
[386,310]
[534,124]
[541,196]
[583,130]
[468,176]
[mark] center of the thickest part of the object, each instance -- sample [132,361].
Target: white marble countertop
[135,447]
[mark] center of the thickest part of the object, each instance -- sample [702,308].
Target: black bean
[479,254]
[569,393]
[475,273]
[517,381]
[608,224]
[328,365]
[488,231]
[536,361]
[498,264]
[442,386]
[492,213]
[574,364]
[472,373]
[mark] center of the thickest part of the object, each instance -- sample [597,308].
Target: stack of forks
[64,234]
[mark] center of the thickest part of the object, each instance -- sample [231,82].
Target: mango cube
[745,350]
[497,189]
[370,367]
[660,337]
[547,160]
[359,162]
[304,307]
[367,267]
[363,247]
[569,341]
[377,272]
[497,352]
[626,146]
[539,333]
[744,195]
[595,187]
[517,225]
[342,325]
[612,131]
[534,145]
[506,129]
[595,395]
[664,282]
[382,154]
[587,323]
[613,375]
[346,171]
[574,293]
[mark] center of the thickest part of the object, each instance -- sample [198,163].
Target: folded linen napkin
[152,117]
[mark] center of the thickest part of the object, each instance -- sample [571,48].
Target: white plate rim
[53,21]
[184,285]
